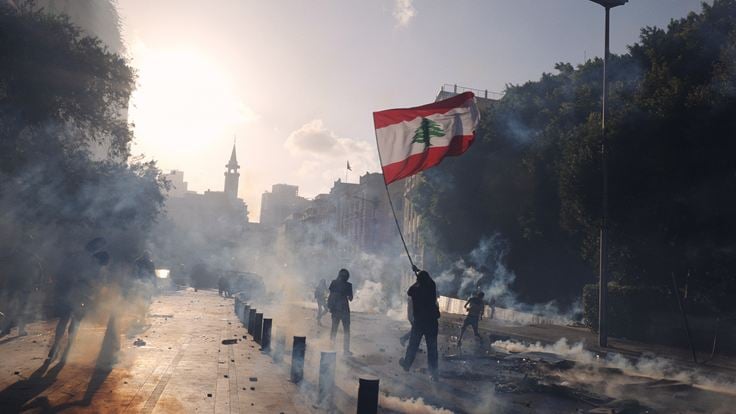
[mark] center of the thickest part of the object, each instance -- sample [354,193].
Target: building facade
[202,227]
[281,202]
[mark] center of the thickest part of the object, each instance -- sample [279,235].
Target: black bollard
[266,335]
[251,320]
[258,328]
[297,358]
[246,312]
[367,396]
[326,393]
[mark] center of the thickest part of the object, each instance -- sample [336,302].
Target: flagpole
[391,203]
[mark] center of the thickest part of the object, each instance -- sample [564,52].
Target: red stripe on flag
[427,159]
[394,116]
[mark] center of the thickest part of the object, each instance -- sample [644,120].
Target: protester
[338,302]
[74,291]
[475,308]
[21,273]
[426,312]
[320,296]
[223,287]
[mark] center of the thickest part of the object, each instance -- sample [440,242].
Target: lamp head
[609,4]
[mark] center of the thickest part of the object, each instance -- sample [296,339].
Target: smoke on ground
[647,366]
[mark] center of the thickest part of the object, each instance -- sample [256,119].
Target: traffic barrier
[327,362]
[258,328]
[251,320]
[297,358]
[266,335]
[367,396]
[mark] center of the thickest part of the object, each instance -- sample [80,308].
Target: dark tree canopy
[65,174]
[534,173]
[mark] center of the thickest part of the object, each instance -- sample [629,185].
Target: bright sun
[183,101]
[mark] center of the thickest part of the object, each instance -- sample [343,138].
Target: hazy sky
[297,80]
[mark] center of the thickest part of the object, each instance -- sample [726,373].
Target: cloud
[313,139]
[404,11]
[320,156]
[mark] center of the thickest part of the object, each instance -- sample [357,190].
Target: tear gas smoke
[647,366]
[409,405]
[484,268]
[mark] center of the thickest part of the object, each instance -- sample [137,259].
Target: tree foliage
[534,173]
[64,143]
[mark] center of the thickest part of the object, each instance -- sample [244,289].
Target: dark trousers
[470,321]
[73,322]
[343,317]
[407,335]
[430,337]
[321,310]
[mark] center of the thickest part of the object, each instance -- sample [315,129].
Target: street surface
[182,368]
[180,365]
[482,379]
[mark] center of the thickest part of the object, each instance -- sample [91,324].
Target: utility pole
[603,236]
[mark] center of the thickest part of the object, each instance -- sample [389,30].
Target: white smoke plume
[646,366]
[485,269]
[411,406]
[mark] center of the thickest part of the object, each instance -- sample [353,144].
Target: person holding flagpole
[423,296]
[411,140]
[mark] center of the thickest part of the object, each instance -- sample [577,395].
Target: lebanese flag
[411,140]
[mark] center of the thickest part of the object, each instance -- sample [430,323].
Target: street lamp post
[603,237]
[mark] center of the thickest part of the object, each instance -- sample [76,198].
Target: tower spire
[233,163]
[232,175]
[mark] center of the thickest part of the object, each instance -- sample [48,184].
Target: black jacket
[341,293]
[424,301]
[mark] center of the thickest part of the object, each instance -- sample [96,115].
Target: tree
[63,98]
[534,173]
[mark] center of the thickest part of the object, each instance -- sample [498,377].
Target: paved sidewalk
[183,367]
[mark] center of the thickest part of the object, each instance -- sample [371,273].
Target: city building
[177,185]
[219,214]
[352,218]
[209,228]
[280,203]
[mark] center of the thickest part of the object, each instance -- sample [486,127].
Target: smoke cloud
[648,366]
[485,269]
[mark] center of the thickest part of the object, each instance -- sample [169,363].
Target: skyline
[280,75]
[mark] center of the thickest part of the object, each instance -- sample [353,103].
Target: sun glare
[183,102]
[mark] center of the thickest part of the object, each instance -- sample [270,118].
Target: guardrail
[456,306]
[481,93]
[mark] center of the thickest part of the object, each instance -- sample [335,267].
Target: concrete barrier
[297,358]
[457,306]
[327,362]
[367,396]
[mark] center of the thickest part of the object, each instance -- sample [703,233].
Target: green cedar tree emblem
[427,129]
